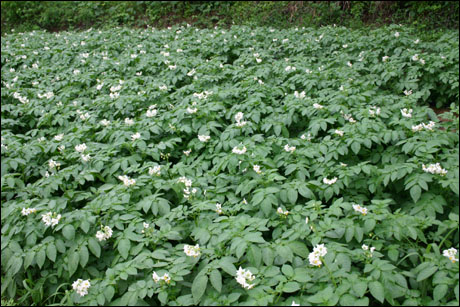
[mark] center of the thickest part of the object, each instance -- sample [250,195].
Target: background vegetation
[60,15]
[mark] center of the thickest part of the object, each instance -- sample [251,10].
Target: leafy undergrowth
[229,167]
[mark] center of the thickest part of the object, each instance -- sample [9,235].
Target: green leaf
[291,287]
[292,196]
[216,280]
[427,272]
[73,260]
[369,225]
[287,270]
[109,291]
[299,248]
[69,232]
[199,287]
[415,192]
[123,248]
[51,252]
[41,255]
[84,255]
[359,288]
[377,291]
[440,291]
[30,255]
[227,265]
[255,237]
[94,247]
[355,146]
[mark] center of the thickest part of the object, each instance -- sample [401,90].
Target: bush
[299,165]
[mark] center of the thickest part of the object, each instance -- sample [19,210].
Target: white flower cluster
[317,106]
[385,58]
[450,253]
[339,132]
[202,95]
[239,119]
[188,184]
[193,251]
[152,111]
[373,111]
[300,96]
[163,88]
[348,117]
[318,251]
[191,110]
[256,169]
[406,112]
[135,136]
[81,286]
[104,234]
[289,148]
[306,137]
[105,122]
[20,98]
[81,147]
[127,181]
[407,93]
[48,95]
[204,138]
[434,169]
[51,219]
[396,34]
[219,208]
[156,170]
[329,181]
[85,158]
[289,68]
[366,248]
[129,121]
[53,164]
[83,116]
[157,278]
[28,211]
[415,58]
[59,137]
[281,211]
[422,126]
[358,208]
[238,151]
[243,276]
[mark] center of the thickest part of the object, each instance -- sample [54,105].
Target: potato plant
[242,166]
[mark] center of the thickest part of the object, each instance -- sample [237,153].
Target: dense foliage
[229,167]
[59,15]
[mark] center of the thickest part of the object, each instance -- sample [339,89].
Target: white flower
[133,56]
[281,211]
[319,251]
[417,128]
[84,116]
[166,278]
[243,276]
[343,164]
[434,169]
[135,136]
[105,122]
[28,211]
[396,34]
[415,57]
[373,111]
[129,121]
[301,95]
[86,158]
[115,88]
[203,138]
[76,72]
[238,151]
[193,251]
[385,58]
[151,112]
[294,304]
[155,277]
[422,61]
[407,93]
[289,68]
[258,60]
[360,209]
[163,88]
[349,64]
[329,181]
[127,181]
[289,148]
[306,220]
[365,247]
[53,164]
[114,95]
[191,73]
[450,253]
[338,132]
[422,126]
[341,88]
[139,73]
[81,147]
[406,113]
[104,234]
[345,46]
[187,152]
[192,110]
[81,286]
[219,208]
[51,218]
[59,137]
[256,169]
[156,170]
[172,67]
[317,106]
[417,41]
